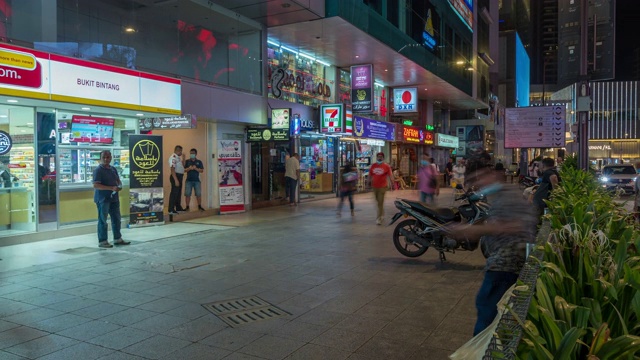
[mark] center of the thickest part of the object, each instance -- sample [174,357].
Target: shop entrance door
[47,137]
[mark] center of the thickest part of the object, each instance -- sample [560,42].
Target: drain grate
[237,312]
[79,250]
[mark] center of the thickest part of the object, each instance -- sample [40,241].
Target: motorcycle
[428,225]
[526,182]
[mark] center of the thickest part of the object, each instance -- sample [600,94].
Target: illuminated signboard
[331,118]
[416,135]
[280,118]
[407,122]
[464,9]
[448,141]
[405,100]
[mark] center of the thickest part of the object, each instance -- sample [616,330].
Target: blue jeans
[293,185]
[424,196]
[108,209]
[494,285]
[346,194]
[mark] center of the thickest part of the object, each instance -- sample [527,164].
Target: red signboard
[416,135]
[21,77]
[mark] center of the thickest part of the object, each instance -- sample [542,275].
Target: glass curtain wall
[189,38]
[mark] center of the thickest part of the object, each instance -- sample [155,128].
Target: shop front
[371,137]
[603,153]
[56,115]
[411,143]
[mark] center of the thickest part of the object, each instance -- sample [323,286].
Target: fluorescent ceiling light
[12,101]
[307,56]
[86,108]
[289,50]
[139,114]
[322,62]
[272,43]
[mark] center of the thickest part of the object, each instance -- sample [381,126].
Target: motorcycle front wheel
[404,245]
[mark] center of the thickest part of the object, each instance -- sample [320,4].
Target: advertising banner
[230,175]
[91,129]
[280,118]
[332,118]
[470,140]
[146,196]
[258,135]
[535,127]
[405,100]
[362,88]
[373,129]
[414,134]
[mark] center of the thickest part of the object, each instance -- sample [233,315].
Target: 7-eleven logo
[331,118]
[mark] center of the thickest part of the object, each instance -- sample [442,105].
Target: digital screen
[91,129]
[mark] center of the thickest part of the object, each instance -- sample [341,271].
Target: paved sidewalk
[348,293]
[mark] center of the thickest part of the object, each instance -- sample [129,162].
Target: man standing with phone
[194,168]
[107,185]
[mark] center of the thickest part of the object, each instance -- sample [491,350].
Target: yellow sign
[146,154]
[17,59]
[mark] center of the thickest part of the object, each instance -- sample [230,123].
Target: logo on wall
[145,154]
[405,100]
[276,83]
[332,117]
[5,142]
[358,126]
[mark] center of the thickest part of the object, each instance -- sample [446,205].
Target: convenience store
[56,115]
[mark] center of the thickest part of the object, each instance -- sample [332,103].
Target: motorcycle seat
[446,214]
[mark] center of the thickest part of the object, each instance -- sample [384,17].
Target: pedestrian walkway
[344,291]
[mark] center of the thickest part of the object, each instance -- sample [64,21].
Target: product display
[21,165]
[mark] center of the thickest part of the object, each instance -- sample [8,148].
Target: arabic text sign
[534,127]
[373,129]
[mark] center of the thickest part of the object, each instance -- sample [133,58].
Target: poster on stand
[146,195]
[230,174]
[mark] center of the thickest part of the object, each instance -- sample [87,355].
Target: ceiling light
[425,88]
[322,62]
[408,80]
[129,29]
[357,56]
[12,101]
[86,108]
[386,70]
[459,62]
[470,68]
[23,130]
[29,123]
[139,114]
[3,116]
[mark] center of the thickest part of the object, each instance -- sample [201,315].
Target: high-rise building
[544,49]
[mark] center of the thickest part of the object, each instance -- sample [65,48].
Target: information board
[534,127]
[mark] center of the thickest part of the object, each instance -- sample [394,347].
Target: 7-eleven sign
[332,116]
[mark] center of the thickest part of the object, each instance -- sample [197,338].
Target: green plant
[587,299]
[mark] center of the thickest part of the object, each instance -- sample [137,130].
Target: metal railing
[508,334]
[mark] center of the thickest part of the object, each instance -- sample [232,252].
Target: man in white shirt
[291,176]
[176,163]
[458,172]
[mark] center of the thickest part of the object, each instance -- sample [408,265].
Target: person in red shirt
[380,175]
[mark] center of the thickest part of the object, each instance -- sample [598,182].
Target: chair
[414,181]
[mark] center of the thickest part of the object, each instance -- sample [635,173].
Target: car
[619,176]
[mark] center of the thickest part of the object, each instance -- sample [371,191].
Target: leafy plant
[587,299]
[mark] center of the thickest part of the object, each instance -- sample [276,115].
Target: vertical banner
[146,197]
[230,175]
[362,88]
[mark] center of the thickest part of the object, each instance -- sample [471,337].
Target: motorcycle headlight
[604,179]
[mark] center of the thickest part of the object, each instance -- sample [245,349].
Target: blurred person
[427,180]
[348,183]
[176,163]
[193,167]
[448,172]
[505,236]
[286,180]
[107,185]
[636,201]
[548,181]
[291,175]
[380,175]
[458,172]
[5,174]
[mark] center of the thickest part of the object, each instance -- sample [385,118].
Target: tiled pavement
[349,293]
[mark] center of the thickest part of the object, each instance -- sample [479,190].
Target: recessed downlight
[12,101]
[139,114]
[86,108]
[3,116]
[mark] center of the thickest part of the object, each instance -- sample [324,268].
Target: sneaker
[339,213]
[200,208]
[105,244]
[173,213]
[379,221]
[121,242]
[186,209]
[353,212]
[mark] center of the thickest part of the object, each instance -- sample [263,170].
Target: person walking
[381,180]
[107,185]
[348,182]
[636,202]
[194,168]
[176,163]
[448,172]
[291,176]
[505,236]
[427,180]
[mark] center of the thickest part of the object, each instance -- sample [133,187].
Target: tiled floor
[349,293]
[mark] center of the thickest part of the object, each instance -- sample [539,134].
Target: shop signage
[280,118]
[231,185]
[258,135]
[308,125]
[405,100]
[362,88]
[415,135]
[464,8]
[332,118]
[430,127]
[5,142]
[348,128]
[407,122]
[534,127]
[35,74]
[173,122]
[373,129]
[146,195]
[600,147]
[372,142]
[431,23]
[447,141]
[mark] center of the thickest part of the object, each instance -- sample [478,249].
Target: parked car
[619,176]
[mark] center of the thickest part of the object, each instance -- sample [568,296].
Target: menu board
[534,127]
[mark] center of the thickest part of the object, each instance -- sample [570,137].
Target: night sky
[627,19]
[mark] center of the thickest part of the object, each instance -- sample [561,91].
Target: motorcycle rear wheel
[402,244]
